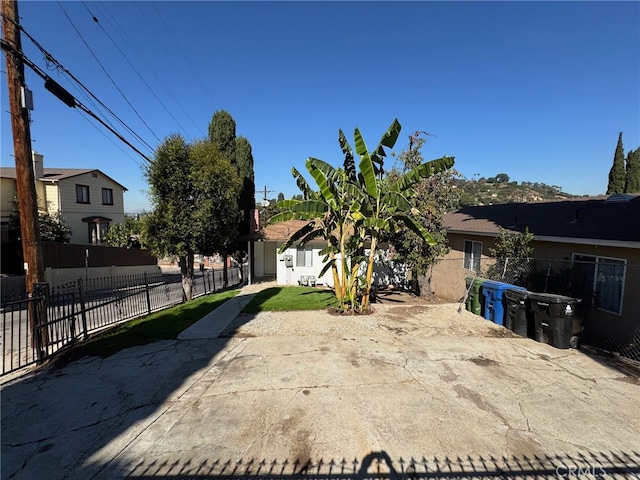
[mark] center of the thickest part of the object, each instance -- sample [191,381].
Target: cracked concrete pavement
[409,390]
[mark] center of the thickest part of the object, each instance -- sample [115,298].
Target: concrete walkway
[212,324]
[409,392]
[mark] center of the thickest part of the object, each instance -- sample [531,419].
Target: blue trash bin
[494,301]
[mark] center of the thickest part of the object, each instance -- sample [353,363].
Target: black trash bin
[519,317]
[555,319]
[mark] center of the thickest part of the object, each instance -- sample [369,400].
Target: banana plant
[384,205]
[352,208]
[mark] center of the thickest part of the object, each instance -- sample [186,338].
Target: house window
[607,276]
[107,196]
[303,257]
[97,232]
[82,194]
[472,255]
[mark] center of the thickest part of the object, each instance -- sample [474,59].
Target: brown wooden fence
[67,255]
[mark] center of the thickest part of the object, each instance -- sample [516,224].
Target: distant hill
[499,189]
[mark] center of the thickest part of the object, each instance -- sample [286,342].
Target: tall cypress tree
[247,200]
[633,172]
[222,132]
[617,174]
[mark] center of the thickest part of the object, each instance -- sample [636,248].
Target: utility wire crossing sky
[536,90]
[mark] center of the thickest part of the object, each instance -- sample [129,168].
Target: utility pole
[25,178]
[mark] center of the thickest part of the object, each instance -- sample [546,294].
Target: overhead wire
[96,20]
[183,55]
[104,69]
[64,95]
[49,58]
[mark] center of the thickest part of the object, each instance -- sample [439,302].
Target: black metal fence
[35,327]
[602,289]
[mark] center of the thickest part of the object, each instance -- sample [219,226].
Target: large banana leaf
[326,268]
[286,204]
[416,228]
[422,171]
[376,223]
[388,140]
[281,217]
[302,184]
[367,169]
[349,163]
[311,207]
[326,186]
[396,200]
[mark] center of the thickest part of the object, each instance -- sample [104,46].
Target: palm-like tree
[352,208]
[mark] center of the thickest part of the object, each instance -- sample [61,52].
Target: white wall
[290,275]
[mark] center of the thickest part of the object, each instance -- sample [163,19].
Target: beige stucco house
[88,200]
[600,233]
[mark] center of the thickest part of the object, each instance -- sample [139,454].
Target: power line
[50,59]
[105,70]
[182,54]
[95,19]
[64,96]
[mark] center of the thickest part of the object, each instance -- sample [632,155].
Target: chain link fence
[609,311]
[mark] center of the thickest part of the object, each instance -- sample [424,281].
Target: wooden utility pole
[25,178]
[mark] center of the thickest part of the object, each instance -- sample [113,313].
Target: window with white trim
[607,276]
[472,255]
[303,257]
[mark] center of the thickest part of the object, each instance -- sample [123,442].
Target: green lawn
[281,299]
[162,325]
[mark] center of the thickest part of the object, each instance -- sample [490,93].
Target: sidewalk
[216,321]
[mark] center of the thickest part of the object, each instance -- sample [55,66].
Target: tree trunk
[186,269]
[367,291]
[225,272]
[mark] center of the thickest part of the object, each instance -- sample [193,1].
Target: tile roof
[592,218]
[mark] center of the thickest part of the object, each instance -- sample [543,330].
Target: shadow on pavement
[378,465]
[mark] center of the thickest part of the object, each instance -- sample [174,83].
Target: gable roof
[56,174]
[593,220]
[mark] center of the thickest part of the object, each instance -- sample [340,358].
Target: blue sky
[537,90]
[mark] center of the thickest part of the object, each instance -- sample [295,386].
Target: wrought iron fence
[35,327]
[601,289]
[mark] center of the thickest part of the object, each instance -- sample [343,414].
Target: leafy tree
[632,184]
[432,197]
[512,252]
[353,208]
[117,236]
[52,225]
[194,190]
[280,196]
[502,178]
[216,186]
[169,228]
[617,174]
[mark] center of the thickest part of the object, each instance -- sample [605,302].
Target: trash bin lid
[552,298]
[499,286]
[517,293]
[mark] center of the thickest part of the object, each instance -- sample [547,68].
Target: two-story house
[88,200]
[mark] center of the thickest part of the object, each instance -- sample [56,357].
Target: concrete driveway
[412,391]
